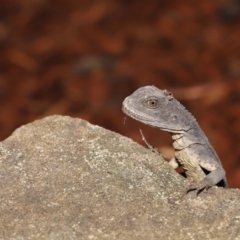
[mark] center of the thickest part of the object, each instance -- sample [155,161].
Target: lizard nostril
[126,102]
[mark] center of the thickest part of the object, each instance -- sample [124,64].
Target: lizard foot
[199,186]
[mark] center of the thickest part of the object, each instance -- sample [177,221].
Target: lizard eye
[152,103]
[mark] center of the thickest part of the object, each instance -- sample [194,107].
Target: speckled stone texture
[63,178]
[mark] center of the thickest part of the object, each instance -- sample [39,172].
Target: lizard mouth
[148,121]
[135,115]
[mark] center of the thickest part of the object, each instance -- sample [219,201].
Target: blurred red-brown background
[82,58]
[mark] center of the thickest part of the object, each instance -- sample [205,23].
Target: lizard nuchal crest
[158,108]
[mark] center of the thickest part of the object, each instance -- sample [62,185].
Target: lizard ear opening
[173,119]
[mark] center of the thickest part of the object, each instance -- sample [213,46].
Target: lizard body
[193,151]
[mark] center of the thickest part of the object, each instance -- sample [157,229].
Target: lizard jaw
[147,121]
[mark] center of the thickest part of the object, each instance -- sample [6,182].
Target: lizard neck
[184,139]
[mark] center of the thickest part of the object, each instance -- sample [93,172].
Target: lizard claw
[200,186]
[192,186]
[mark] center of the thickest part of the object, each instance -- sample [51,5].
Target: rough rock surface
[63,178]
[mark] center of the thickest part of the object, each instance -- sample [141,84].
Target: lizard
[159,109]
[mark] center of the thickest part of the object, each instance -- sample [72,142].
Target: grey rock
[63,178]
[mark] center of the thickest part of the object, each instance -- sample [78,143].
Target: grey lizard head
[158,108]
